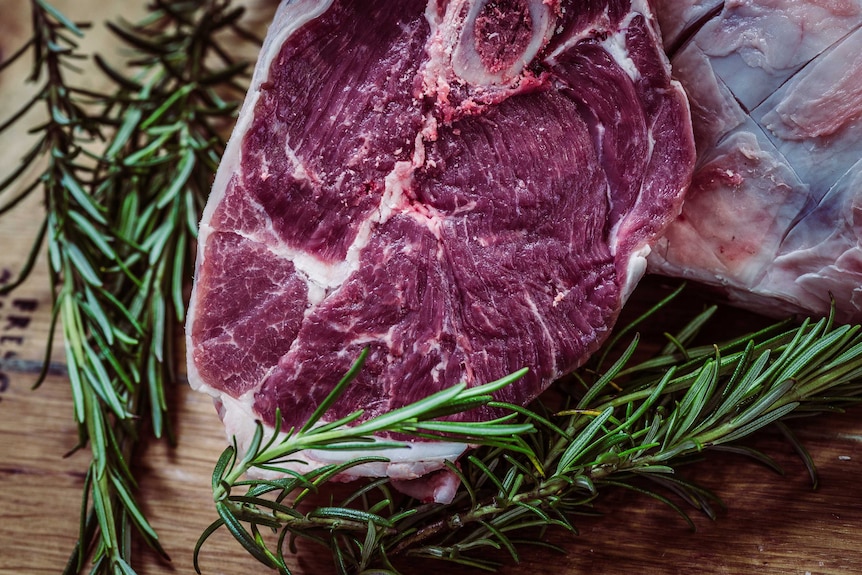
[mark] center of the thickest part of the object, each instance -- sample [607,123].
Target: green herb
[124,173]
[618,427]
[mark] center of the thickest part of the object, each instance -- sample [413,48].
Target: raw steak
[463,188]
[773,213]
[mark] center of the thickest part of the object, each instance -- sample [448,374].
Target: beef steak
[463,188]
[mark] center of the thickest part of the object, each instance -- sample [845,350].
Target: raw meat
[678,17]
[776,99]
[463,188]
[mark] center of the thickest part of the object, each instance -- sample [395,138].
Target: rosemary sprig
[418,420]
[617,428]
[126,172]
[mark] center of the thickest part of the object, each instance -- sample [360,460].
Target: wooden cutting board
[771,524]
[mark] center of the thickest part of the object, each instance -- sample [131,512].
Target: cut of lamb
[462,188]
[773,214]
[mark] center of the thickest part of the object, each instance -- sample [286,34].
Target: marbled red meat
[462,192]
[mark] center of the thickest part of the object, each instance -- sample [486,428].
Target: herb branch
[123,173]
[617,427]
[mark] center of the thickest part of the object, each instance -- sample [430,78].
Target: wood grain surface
[772,524]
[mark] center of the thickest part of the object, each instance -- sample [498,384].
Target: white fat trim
[650,145]
[549,343]
[394,186]
[615,231]
[364,340]
[635,270]
[196,382]
[431,219]
[434,69]
[410,462]
[299,170]
[640,7]
[238,417]
[615,45]
[600,134]
[560,297]
[395,198]
[439,369]
[413,452]
[325,277]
